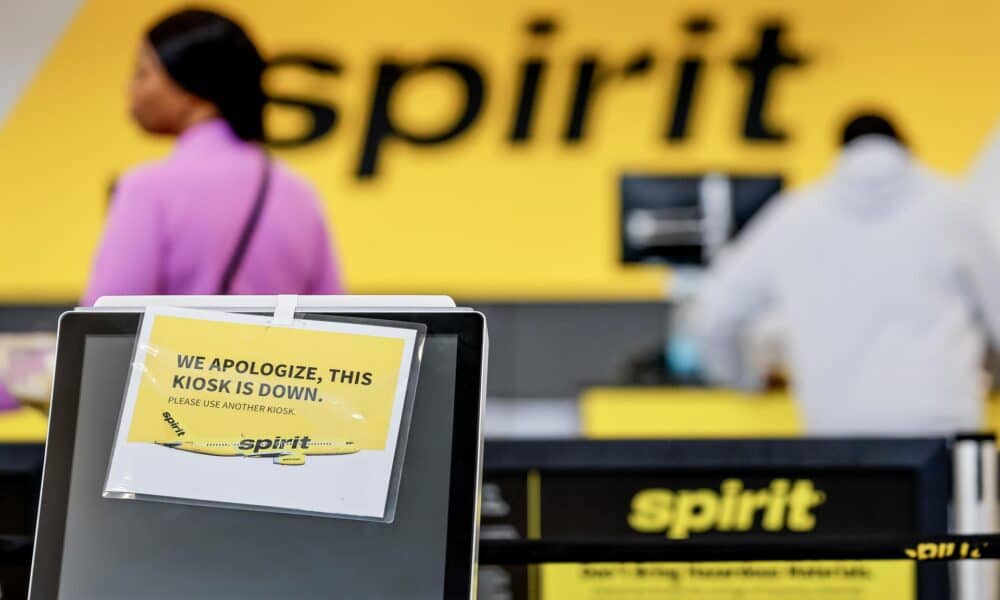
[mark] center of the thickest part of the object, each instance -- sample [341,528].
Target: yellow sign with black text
[224,408]
[217,378]
[815,580]
[476,148]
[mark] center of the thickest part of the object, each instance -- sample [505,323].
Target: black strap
[736,548]
[236,260]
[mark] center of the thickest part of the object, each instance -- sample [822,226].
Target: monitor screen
[685,219]
[136,549]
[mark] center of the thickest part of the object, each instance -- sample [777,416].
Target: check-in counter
[23,425]
[702,490]
[651,412]
[676,491]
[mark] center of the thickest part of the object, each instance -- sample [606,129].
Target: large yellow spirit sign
[476,148]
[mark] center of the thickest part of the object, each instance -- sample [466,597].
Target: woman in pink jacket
[218,216]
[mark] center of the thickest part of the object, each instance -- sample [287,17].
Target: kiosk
[89,546]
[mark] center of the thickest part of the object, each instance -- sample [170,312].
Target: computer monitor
[91,547]
[685,219]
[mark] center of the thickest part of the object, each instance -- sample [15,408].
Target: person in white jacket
[983,181]
[887,282]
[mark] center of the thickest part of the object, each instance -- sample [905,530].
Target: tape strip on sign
[284,311]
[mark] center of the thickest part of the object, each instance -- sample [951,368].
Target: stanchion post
[990,512]
[975,511]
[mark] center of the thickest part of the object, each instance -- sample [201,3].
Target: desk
[673,412]
[23,425]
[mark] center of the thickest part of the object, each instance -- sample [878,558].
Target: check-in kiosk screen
[137,549]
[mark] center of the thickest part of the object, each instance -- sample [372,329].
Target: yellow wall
[478,217]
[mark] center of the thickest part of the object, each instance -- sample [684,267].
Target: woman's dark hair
[210,56]
[869,123]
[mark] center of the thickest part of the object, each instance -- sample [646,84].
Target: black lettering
[761,66]
[173,424]
[246,444]
[322,117]
[687,80]
[684,99]
[532,71]
[380,125]
[366,379]
[180,381]
[531,76]
[586,81]
[185,361]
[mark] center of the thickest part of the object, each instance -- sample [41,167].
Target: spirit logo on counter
[783,505]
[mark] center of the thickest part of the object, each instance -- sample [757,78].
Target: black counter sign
[714,489]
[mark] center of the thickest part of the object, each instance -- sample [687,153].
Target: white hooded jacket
[887,282]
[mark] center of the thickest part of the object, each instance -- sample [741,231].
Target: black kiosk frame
[467,327]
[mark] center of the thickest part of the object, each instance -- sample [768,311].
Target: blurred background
[510,186]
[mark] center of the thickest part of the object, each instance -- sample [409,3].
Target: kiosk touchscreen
[91,547]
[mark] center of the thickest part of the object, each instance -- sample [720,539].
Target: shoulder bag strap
[236,260]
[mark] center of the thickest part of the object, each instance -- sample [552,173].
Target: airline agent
[217,216]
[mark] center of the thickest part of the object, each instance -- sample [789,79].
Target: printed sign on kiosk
[305,416]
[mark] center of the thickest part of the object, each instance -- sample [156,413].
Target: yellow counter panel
[23,425]
[668,412]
